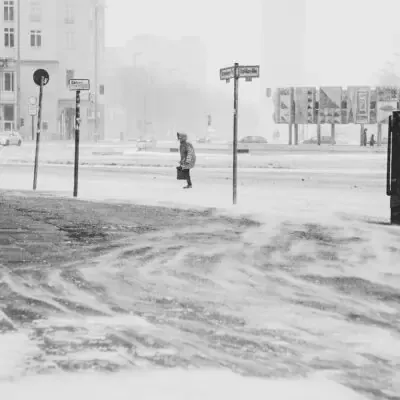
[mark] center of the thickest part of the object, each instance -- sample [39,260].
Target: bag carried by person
[180,174]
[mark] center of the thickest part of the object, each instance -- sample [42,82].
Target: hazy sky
[347,40]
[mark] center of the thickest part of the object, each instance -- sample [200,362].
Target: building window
[70,74]
[36,38]
[9,37]
[69,13]
[70,40]
[8,116]
[8,10]
[8,82]
[35,12]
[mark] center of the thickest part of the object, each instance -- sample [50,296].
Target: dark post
[33,127]
[333,139]
[39,123]
[77,133]
[362,135]
[379,138]
[235,129]
[393,168]
[296,134]
[291,115]
[318,116]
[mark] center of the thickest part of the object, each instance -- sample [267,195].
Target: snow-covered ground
[307,300]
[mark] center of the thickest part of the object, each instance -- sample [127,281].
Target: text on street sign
[249,71]
[227,73]
[79,84]
[32,109]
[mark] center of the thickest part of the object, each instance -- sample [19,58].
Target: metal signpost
[77,85]
[236,72]
[41,78]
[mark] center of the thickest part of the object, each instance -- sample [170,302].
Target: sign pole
[33,127]
[77,134]
[236,72]
[39,123]
[77,85]
[235,129]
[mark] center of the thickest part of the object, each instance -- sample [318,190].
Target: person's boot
[187,187]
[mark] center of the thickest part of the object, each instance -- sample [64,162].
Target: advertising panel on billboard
[387,102]
[358,105]
[284,106]
[304,99]
[330,105]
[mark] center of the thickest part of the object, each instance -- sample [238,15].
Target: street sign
[40,74]
[79,84]
[249,71]
[32,109]
[227,73]
[32,100]
[235,73]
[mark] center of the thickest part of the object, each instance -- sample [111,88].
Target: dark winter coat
[188,155]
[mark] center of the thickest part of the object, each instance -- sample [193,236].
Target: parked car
[10,138]
[324,140]
[203,140]
[253,139]
[146,143]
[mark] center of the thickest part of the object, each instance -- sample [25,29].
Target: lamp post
[96,66]
[18,97]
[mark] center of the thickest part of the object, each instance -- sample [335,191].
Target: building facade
[159,68]
[62,37]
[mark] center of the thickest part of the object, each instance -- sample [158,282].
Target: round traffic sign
[32,101]
[41,76]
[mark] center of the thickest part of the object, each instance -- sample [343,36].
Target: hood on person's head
[181,136]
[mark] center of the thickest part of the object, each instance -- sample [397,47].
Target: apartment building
[60,36]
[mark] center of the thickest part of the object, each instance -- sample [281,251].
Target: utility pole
[18,113]
[96,66]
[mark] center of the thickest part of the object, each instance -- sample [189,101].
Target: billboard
[282,106]
[330,105]
[304,99]
[351,105]
[387,98]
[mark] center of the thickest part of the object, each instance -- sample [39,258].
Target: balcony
[7,97]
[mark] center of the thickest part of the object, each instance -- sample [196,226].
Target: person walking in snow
[372,140]
[188,157]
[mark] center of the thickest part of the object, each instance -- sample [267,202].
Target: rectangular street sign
[32,109]
[227,73]
[79,84]
[249,71]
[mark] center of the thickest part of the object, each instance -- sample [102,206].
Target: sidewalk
[45,229]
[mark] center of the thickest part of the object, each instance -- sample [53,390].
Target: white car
[10,138]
